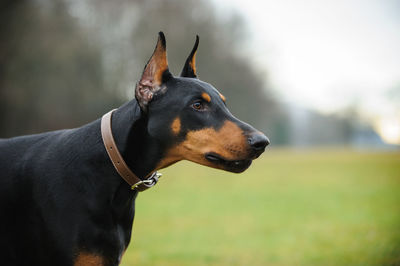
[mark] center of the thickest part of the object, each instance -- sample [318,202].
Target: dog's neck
[140,151]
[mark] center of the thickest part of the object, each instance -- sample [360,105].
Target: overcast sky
[329,54]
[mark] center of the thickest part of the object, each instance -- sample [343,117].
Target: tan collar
[117,160]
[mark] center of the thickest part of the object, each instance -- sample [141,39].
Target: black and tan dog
[62,198]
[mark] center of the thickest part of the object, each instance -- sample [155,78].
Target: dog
[68,196]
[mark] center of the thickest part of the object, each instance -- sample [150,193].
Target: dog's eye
[198,106]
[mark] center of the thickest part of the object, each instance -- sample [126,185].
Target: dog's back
[22,158]
[26,191]
[63,202]
[45,195]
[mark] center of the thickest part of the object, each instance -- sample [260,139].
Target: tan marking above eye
[228,142]
[206,97]
[87,259]
[222,97]
[176,126]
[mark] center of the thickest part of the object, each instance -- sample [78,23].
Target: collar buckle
[149,182]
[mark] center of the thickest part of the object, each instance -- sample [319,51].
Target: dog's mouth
[236,166]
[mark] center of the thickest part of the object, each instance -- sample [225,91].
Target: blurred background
[320,78]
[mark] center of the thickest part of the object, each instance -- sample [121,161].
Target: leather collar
[119,164]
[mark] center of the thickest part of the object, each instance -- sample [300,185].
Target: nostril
[258,142]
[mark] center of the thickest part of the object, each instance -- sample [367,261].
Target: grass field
[290,208]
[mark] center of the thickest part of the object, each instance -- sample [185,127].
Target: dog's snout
[258,141]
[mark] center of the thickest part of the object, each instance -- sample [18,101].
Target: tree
[51,75]
[65,66]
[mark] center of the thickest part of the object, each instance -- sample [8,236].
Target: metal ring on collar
[151,181]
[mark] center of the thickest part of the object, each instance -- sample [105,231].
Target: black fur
[188,70]
[60,194]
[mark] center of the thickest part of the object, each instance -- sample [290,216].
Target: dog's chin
[235,166]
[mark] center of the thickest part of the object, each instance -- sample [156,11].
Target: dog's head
[190,119]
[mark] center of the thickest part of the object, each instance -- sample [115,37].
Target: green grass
[290,208]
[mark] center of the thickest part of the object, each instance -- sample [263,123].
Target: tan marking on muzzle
[228,142]
[176,126]
[88,259]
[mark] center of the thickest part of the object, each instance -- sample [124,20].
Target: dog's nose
[258,141]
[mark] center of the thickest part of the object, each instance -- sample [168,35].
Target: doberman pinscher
[63,201]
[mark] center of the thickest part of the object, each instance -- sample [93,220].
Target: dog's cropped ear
[155,73]
[189,70]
